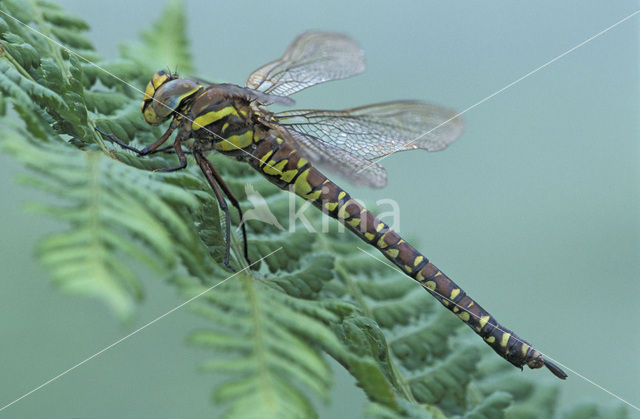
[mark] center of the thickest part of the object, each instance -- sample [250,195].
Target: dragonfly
[293,150]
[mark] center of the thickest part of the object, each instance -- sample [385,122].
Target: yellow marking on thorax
[235,142]
[524,349]
[210,117]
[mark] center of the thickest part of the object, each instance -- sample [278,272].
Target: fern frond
[269,327]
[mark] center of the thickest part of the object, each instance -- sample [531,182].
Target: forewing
[377,130]
[314,57]
[326,156]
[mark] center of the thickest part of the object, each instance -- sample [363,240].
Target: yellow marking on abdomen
[272,168]
[288,175]
[301,186]
[484,320]
[505,339]
[209,117]
[392,252]
[330,206]
[454,293]
[354,222]
[464,316]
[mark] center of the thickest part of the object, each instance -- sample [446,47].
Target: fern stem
[259,345]
[15,63]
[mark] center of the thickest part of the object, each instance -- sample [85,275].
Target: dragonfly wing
[326,156]
[312,58]
[377,130]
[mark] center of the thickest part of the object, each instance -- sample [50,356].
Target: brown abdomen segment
[283,166]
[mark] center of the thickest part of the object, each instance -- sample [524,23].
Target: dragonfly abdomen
[282,165]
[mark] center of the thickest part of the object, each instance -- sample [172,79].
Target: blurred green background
[535,211]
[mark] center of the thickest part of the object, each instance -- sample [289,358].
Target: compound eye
[171,94]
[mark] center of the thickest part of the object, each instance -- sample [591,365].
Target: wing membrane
[312,58]
[377,130]
[357,169]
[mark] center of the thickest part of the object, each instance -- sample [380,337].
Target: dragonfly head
[164,94]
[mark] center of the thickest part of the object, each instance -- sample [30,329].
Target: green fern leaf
[268,327]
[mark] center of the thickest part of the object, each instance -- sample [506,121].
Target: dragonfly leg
[177,146]
[206,167]
[235,203]
[148,149]
[116,140]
